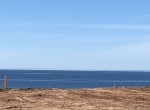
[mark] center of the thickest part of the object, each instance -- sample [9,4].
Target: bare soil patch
[119,98]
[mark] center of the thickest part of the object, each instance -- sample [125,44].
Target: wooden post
[5,83]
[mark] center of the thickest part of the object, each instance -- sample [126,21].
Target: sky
[75,34]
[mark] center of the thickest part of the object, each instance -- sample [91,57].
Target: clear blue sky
[75,34]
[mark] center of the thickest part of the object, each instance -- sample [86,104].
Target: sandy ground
[131,98]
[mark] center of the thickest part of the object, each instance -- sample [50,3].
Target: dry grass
[131,98]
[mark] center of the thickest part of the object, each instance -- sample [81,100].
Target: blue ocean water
[73,79]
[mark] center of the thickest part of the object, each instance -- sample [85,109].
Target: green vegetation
[1,89]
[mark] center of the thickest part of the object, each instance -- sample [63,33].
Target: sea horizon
[73,79]
[123,70]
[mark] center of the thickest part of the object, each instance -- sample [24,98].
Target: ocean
[73,79]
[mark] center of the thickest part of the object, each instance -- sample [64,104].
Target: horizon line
[123,70]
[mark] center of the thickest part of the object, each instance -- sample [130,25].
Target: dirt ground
[119,98]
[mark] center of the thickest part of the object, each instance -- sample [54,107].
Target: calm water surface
[73,79]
